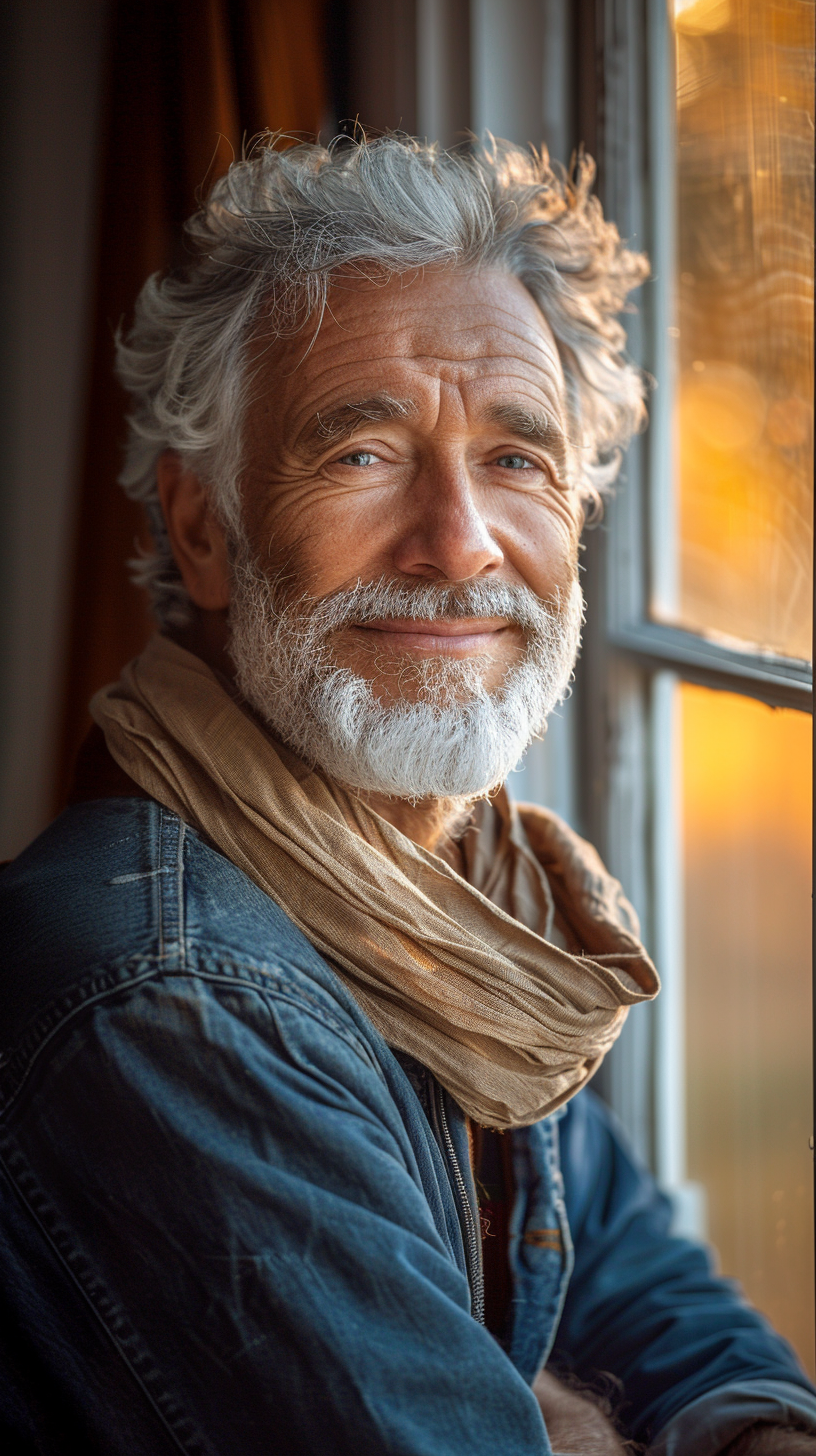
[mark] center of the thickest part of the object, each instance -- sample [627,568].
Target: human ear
[196,535]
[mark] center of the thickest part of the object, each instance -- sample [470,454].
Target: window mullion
[780,682]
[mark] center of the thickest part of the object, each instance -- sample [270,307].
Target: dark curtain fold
[188,81]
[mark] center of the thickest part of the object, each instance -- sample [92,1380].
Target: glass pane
[747,852]
[744,320]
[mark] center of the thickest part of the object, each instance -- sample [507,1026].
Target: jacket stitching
[301,1000]
[160,896]
[182,939]
[49,1023]
[112,1318]
[141,875]
[168,889]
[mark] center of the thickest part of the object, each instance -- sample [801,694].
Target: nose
[446,536]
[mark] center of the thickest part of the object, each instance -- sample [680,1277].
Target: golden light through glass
[744,320]
[747,854]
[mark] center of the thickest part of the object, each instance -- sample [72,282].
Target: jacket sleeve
[223,1177]
[645,1307]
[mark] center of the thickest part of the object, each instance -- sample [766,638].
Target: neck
[207,637]
[435,824]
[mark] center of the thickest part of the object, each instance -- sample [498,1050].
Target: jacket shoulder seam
[17,1064]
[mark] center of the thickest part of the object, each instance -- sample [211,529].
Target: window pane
[747,852]
[744,346]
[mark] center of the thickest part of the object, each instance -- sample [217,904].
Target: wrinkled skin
[468,479]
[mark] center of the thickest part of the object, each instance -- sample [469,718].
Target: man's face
[453,488]
[417,451]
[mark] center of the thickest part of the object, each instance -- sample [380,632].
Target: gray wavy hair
[280,223]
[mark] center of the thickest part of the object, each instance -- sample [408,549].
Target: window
[696,689]
[742,574]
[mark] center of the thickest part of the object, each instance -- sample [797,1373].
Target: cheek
[541,544]
[330,543]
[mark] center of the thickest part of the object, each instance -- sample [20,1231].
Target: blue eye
[358,457]
[514,462]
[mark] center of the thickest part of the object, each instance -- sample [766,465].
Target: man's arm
[697,1365]
[232,1193]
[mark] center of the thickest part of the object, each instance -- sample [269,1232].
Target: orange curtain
[188,80]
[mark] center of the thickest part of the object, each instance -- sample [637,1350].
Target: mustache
[426,601]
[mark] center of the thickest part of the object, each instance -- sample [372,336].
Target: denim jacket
[235,1222]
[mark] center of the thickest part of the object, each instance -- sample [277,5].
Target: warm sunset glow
[747,770]
[701,17]
[747,849]
[744,425]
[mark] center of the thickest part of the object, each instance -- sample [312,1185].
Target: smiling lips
[458,638]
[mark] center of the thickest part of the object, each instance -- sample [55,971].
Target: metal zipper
[473,1245]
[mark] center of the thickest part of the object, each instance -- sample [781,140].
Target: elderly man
[297,1002]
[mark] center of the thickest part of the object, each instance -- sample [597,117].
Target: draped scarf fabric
[462,973]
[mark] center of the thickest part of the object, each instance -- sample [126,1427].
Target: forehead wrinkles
[431,348]
[418,336]
[488,334]
[342,375]
[442,314]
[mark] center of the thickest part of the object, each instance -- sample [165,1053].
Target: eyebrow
[534,425]
[335,426]
[341,423]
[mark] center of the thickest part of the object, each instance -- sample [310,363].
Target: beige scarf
[458,972]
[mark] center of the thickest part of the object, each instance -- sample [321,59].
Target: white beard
[457,740]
